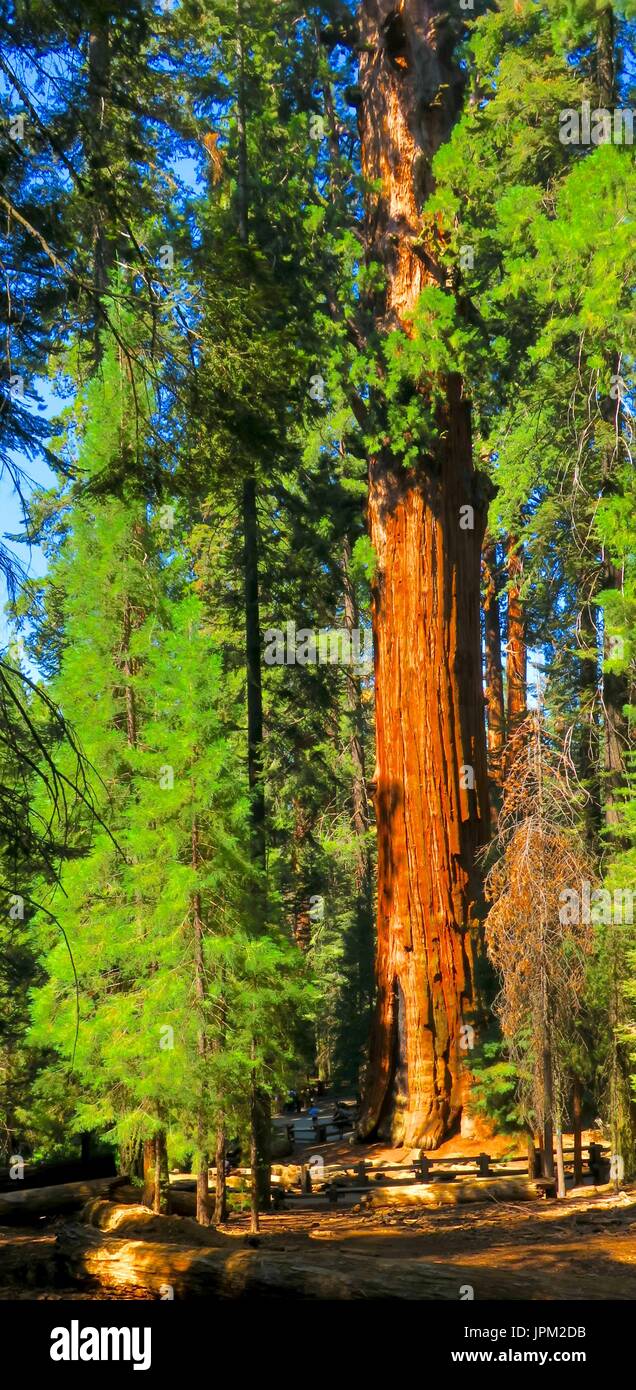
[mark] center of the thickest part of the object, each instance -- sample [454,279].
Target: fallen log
[182,1199]
[62,1171]
[27,1259]
[124,1268]
[137,1222]
[441,1194]
[27,1208]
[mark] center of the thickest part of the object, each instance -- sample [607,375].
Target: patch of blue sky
[35,473]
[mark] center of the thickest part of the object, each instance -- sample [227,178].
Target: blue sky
[12,522]
[189,172]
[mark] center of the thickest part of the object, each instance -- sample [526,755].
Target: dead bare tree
[537,944]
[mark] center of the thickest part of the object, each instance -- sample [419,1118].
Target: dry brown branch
[536,942]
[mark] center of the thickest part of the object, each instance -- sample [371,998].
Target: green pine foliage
[141,671]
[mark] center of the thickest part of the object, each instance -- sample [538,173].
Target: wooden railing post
[424,1167]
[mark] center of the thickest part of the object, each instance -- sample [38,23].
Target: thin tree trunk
[560,1167]
[128,666]
[255,1194]
[605,63]
[203,1206]
[354,708]
[8,1139]
[260,1139]
[98,87]
[260,1161]
[363,943]
[161,1196]
[589,759]
[250,530]
[260,1148]
[149,1172]
[616,739]
[253,661]
[495,710]
[220,1196]
[516,654]
[203,1202]
[301,888]
[548,1112]
[241,130]
[577,1127]
[431,791]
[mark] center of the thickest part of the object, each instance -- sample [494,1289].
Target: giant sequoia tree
[426,521]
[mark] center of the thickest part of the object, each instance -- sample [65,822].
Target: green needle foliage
[170,979]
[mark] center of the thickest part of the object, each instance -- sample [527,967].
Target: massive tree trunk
[430,782]
[494,674]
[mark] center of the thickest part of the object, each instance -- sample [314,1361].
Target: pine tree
[157,906]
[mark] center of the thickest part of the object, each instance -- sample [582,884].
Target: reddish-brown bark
[156,1186]
[516,653]
[302,902]
[495,710]
[616,737]
[430,781]
[577,1127]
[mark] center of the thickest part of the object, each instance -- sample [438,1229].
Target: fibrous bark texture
[430,782]
[494,674]
[516,655]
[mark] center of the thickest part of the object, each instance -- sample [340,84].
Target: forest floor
[581,1248]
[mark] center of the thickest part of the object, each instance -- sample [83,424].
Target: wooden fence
[334,1181]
